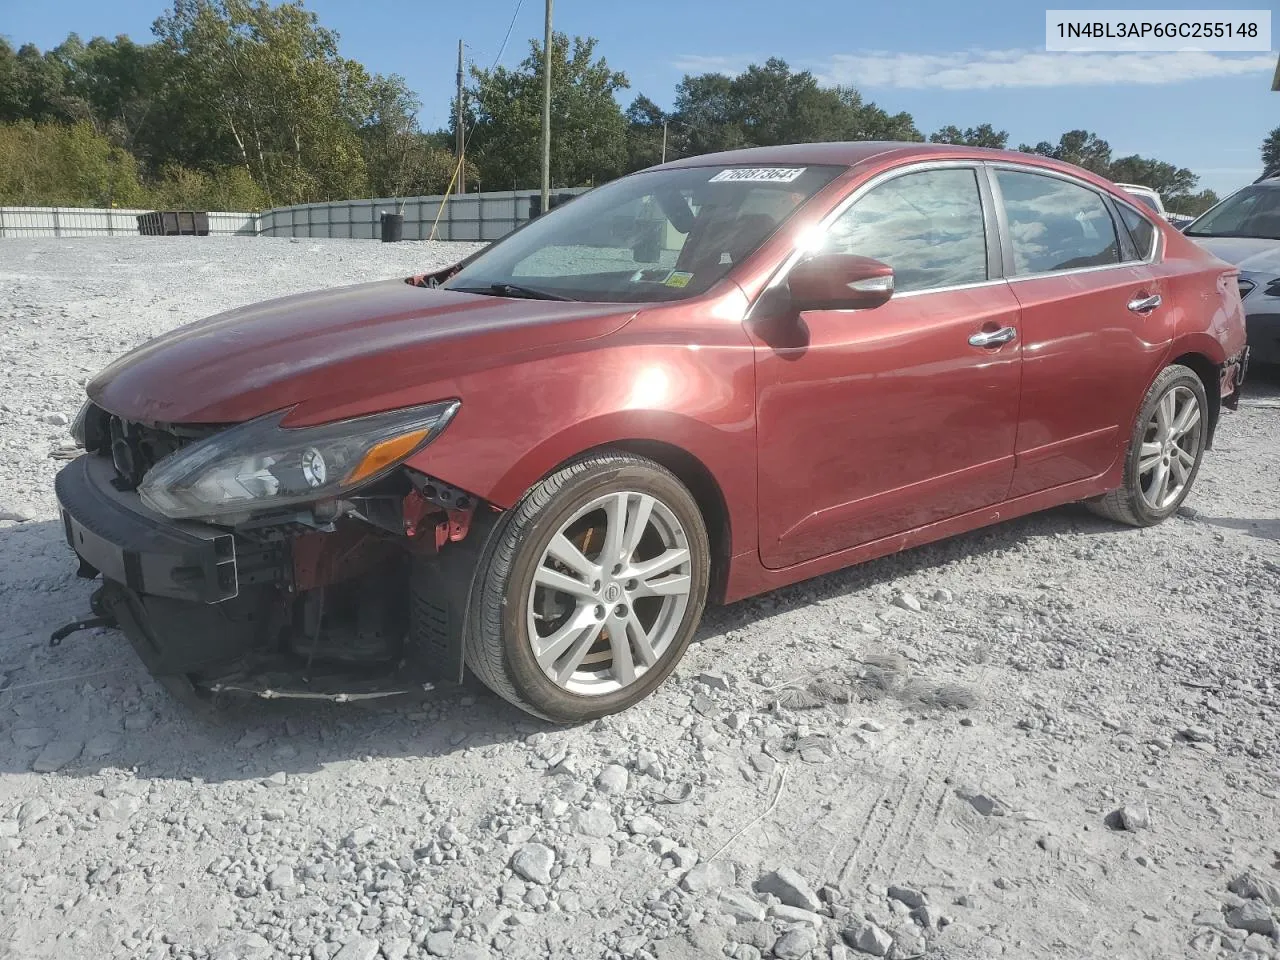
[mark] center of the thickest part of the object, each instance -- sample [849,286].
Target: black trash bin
[392,227]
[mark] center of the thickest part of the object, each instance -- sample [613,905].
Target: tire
[512,611]
[1135,502]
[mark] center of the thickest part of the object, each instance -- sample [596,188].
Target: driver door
[874,422]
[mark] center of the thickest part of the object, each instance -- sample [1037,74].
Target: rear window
[1145,199]
[1140,228]
[1055,224]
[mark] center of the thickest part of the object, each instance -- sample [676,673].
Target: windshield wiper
[1231,236]
[514,290]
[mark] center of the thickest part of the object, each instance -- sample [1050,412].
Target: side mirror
[840,281]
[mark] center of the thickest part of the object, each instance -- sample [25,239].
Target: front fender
[516,425]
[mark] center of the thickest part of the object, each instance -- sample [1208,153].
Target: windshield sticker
[758,175]
[678,278]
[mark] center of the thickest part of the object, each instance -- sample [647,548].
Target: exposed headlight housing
[77,428]
[261,466]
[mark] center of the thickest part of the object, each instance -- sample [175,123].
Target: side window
[927,226]
[1140,228]
[1055,224]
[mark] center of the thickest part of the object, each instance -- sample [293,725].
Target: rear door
[874,422]
[1094,321]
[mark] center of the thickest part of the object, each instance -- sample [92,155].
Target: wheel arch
[1209,374]
[715,464]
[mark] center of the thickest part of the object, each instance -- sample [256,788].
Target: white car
[1151,199]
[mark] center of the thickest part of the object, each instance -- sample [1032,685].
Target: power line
[462,127]
[510,26]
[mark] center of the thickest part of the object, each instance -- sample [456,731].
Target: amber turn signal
[385,453]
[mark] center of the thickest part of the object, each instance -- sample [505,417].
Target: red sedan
[694,384]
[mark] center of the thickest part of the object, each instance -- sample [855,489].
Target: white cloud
[696,63]
[986,69]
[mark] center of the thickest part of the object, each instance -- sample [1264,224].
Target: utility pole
[546,113]
[664,141]
[462,169]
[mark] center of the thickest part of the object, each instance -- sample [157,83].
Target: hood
[1250,254]
[335,349]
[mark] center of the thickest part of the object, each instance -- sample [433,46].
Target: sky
[941,61]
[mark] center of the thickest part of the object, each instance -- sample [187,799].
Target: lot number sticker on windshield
[758,175]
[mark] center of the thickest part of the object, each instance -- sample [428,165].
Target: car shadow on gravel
[89,705]
[1267,529]
[1072,519]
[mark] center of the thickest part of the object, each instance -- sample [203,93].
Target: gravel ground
[1051,738]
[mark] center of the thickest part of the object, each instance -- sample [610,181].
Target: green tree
[229,188]
[644,134]
[122,85]
[983,135]
[1081,147]
[1271,153]
[1193,204]
[1166,179]
[55,164]
[588,141]
[267,86]
[392,143]
[11,107]
[771,104]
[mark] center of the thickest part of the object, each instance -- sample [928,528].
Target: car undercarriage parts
[56,638]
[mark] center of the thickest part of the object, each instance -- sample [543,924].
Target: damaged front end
[281,562]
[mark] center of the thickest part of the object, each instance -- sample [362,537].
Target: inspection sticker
[678,278]
[758,175]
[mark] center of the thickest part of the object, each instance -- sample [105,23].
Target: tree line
[239,104]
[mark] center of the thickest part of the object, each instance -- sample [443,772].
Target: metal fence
[98,222]
[470,216]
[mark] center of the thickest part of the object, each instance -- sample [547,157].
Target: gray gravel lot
[1051,738]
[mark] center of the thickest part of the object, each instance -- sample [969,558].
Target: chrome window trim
[1157,244]
[977,165]
[990,282]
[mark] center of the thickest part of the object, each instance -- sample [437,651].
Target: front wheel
[1164,452]
[592,591]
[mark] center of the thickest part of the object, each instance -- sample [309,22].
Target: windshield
[1251,212]
[657,235]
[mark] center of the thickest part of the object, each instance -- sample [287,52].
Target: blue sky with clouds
[942,61]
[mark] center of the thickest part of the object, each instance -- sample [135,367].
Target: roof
[852,152]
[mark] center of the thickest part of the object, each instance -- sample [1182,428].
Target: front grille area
[134,448]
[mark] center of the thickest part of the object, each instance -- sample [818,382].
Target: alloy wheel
[1170,447]
[609,593]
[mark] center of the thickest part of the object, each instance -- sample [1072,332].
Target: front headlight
[261,465]
[77,428]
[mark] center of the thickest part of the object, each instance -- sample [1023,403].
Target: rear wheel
[1164,452]
[593,590]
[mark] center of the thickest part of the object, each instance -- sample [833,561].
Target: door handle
[993,338]
[1145,304]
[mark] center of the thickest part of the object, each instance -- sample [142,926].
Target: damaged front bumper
[342,613]
[1232,378]
[114,534]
